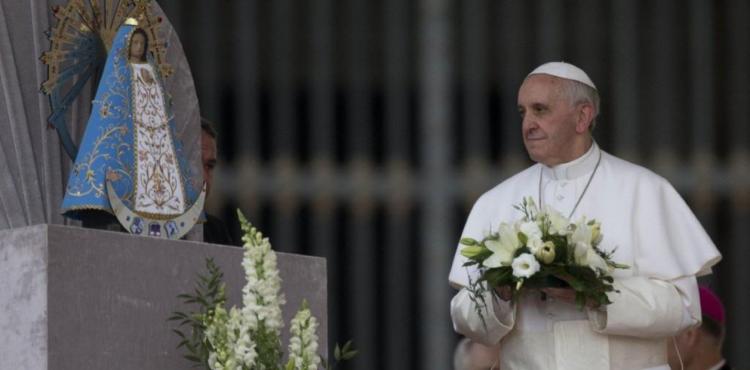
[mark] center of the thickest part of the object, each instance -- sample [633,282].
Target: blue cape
[107,146]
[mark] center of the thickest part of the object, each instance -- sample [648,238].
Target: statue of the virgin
[129,143]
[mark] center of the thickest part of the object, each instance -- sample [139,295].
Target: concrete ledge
[76,298]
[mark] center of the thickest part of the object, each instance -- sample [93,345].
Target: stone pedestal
[73,298]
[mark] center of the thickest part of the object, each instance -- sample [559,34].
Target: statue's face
[137,47]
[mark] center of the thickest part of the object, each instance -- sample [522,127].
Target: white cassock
[655,233]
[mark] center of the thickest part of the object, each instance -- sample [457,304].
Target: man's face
[137,46]
[208,153]
[548,120]
[685,343]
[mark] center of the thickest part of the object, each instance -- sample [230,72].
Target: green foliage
[340,354]
[209,293]
[268,347]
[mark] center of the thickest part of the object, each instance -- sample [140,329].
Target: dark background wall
[362,131]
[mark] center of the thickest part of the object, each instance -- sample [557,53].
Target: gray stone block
[76,298]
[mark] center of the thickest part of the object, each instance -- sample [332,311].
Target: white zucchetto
[564,70]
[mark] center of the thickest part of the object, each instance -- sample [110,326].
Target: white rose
[525,266]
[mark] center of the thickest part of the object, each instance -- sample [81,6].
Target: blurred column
[435,67]
[625,77]
[321,80]
[208,79]
[663,90]
[737,136]
[589,51]
[701,48]
[245,80]
[363,257]
[550,17]
[474,122]
[513,66]
[282,125]
[398,351]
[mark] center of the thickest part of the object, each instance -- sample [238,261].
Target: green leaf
[290,364]
[349,355]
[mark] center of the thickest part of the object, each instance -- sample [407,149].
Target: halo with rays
[78,49]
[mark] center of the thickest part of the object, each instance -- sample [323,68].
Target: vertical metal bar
[283,133]
[624,105]
[359,148]
[735,262]
[589,16]
[474,81]
[551,26]
[321,113]
[398,351]
[701,49]
[513,67]
[663,87]
[245,72]
[738,138]
[207,82]
[435,66]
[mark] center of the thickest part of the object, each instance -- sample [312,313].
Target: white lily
[531,230]
[558,222]
[503,248]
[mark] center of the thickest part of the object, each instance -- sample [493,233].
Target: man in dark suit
[214,230]
[699,348]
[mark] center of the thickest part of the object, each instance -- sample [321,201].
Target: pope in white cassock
[642,216]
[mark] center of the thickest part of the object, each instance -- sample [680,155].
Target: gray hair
[579,93]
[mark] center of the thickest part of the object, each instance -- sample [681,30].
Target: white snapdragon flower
[525,266]
[303,345]
[503,248]
[261,296]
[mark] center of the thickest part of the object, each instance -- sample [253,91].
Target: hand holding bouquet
[541,250]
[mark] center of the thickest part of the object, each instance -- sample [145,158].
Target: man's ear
[584,118]
[690,336]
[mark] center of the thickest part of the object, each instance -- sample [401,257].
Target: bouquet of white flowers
[543,249]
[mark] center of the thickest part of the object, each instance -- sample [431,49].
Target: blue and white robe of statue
[129,140]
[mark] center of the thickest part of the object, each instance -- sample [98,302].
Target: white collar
[719,365]
[575,168]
